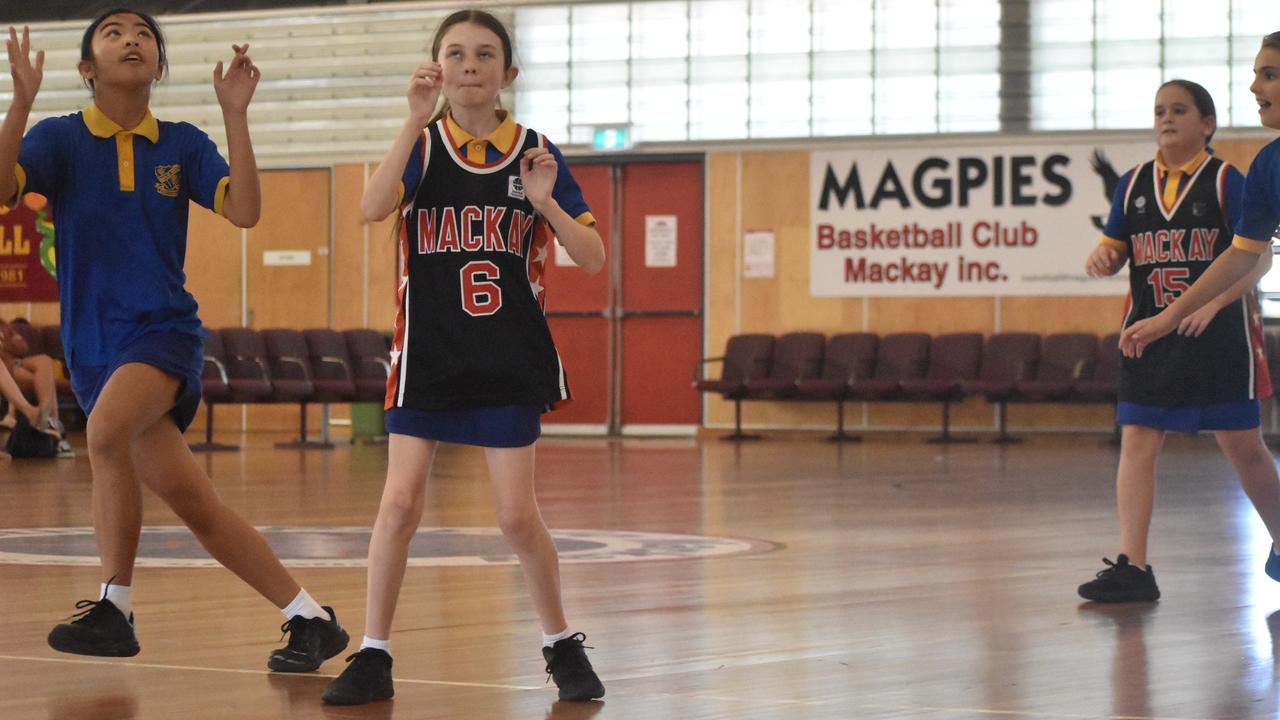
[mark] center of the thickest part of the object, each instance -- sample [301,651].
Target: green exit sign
[613,137]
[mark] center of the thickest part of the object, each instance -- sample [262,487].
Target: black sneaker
[568,665]
[1121,582]
[100,629]
[366,679]
[311,642]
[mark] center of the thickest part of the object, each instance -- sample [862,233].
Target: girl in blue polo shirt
[120,182]
[473,361]
[1259,220]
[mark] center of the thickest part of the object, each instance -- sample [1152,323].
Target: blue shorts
[509,426]
[1240,415]
[177,354]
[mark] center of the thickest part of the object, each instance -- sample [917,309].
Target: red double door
[631,335]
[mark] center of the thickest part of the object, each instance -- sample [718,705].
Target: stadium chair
[848,358]
[953,360]
[745,357]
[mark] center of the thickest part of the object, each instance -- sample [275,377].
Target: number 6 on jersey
[480,294]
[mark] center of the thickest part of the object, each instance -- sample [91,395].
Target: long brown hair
[481,18]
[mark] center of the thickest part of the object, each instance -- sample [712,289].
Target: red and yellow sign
[27,265]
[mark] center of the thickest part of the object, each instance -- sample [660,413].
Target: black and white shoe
[99,629]
[568,665]
[311,642]
[366,679]
[1121,582]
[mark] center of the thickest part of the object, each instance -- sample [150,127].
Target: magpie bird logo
[1110,180]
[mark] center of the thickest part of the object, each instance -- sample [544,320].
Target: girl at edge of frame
[1211,376]
[472,357]
[120,182]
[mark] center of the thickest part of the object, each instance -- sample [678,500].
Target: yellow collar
[104,127]
[1189,168]
[502,138]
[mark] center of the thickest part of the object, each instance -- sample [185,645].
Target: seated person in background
[35,375]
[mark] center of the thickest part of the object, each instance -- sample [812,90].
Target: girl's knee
[517,523]
[400,513]
[107,441]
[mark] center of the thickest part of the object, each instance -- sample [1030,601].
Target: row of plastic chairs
[277,365]
[867,367]
[281,365]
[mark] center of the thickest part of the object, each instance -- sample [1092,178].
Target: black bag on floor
[27,442]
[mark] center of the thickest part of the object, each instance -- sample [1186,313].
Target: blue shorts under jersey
[497,427]
[1239,415]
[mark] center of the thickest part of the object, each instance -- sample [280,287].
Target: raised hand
[538,170]
[26,77]
[424,90]
[235,89]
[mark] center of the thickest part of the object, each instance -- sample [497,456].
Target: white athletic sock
[549,640]
[306,607]
[120,595]
[383,645]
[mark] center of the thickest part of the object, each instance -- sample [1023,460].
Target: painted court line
[159,666]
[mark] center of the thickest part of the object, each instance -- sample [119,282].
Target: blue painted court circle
[175,546]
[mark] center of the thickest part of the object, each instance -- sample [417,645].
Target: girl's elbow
[373,212]
[594,265]
[245,220]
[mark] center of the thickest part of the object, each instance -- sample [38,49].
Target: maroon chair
[745,357]
[215,387]
[901,356]
[1104,385]
[1006,359]
[291,377]
[796,356]
[331,371]
[370,364]
[848,358]
[953,360]
[1065,359]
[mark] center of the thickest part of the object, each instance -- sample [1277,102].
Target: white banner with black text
[998,219]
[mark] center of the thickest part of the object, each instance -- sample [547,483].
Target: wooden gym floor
[886,580]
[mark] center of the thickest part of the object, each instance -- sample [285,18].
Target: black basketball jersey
[1169,249]
[470,331]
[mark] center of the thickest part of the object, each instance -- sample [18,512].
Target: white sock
[120,595]
[383,645]
[549,640]
[306,607]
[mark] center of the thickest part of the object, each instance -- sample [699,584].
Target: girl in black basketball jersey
[1170,218]
[472,358]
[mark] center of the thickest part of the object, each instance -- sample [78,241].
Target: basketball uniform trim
[451,147]
[1191,178]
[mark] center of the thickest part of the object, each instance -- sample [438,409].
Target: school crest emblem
[167,179]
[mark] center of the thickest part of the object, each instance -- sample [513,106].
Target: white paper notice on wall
[757,255]
[286,257]
[561,257]
[659,240]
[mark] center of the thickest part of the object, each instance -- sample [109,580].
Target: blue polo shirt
[120,200]
[1261,217]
